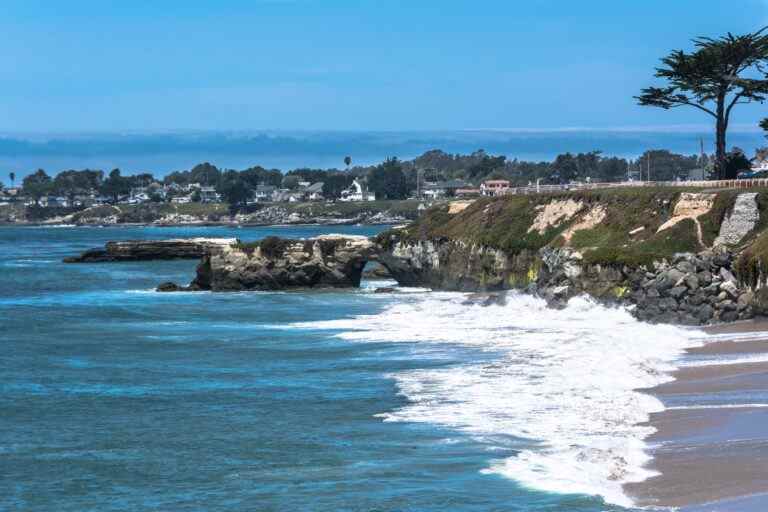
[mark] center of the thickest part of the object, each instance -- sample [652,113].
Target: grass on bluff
[503,223]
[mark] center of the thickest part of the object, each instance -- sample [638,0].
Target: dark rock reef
[144,250]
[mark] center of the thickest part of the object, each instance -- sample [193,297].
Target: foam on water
[719,360]
[562,383]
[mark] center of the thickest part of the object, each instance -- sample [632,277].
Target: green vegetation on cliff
[613,226]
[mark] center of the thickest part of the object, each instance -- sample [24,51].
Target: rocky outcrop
[740,222]
[691,289]
[333,261]
[143,250]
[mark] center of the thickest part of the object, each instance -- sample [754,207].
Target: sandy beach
[711,443]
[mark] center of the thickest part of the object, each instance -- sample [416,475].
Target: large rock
[144,250]
[276,264]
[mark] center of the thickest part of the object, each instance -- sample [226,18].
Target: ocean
[118,398]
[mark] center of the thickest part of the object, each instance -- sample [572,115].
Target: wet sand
[711,444]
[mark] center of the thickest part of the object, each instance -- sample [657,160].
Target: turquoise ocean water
[117,398]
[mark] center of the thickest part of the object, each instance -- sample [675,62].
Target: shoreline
[710,447]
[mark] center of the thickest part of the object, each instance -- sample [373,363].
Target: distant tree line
[393,178]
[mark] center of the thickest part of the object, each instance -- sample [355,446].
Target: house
[264,193]
[141,197]
[441,189]
[760,162]
[51,201]
[356,192]
[208,195]
[314,192]
[494,187]
[8,195]
[182,199]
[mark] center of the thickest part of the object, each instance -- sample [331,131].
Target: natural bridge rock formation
[333,261]
[144,250]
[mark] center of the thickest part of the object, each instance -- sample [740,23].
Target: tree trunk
[720,130]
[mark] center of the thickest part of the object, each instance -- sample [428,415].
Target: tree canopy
[115,185]
[387,180]
[718,75]
[37,185]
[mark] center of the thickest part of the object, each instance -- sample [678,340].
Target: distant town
[432,176]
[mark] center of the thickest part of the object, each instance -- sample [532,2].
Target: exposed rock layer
[275,264]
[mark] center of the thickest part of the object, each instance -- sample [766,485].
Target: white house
[356,192]
[760,165]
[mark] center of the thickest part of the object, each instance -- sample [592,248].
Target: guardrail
[752,183]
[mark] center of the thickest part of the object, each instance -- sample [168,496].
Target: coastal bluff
[670,255]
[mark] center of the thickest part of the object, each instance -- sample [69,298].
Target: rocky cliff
[671,255]
[680,257]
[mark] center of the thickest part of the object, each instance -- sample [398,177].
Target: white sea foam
[737,336]
[718,406]
[563,381]
[726,360]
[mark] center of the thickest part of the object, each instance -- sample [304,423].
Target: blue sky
[82,66]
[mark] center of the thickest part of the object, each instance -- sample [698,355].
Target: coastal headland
[672,255]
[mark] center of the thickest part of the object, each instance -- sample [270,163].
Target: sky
[150,66]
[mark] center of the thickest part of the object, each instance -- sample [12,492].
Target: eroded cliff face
[672,257]
[675,257]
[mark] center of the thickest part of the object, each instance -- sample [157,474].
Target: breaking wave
[563,382]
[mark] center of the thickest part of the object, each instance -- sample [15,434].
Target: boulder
[726,305]
[730,288]
[678,291]
[705,313]
[744,300]
[168,287]
[691,281]
[705,278]
[666,280]
[686,267]
[726,275]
